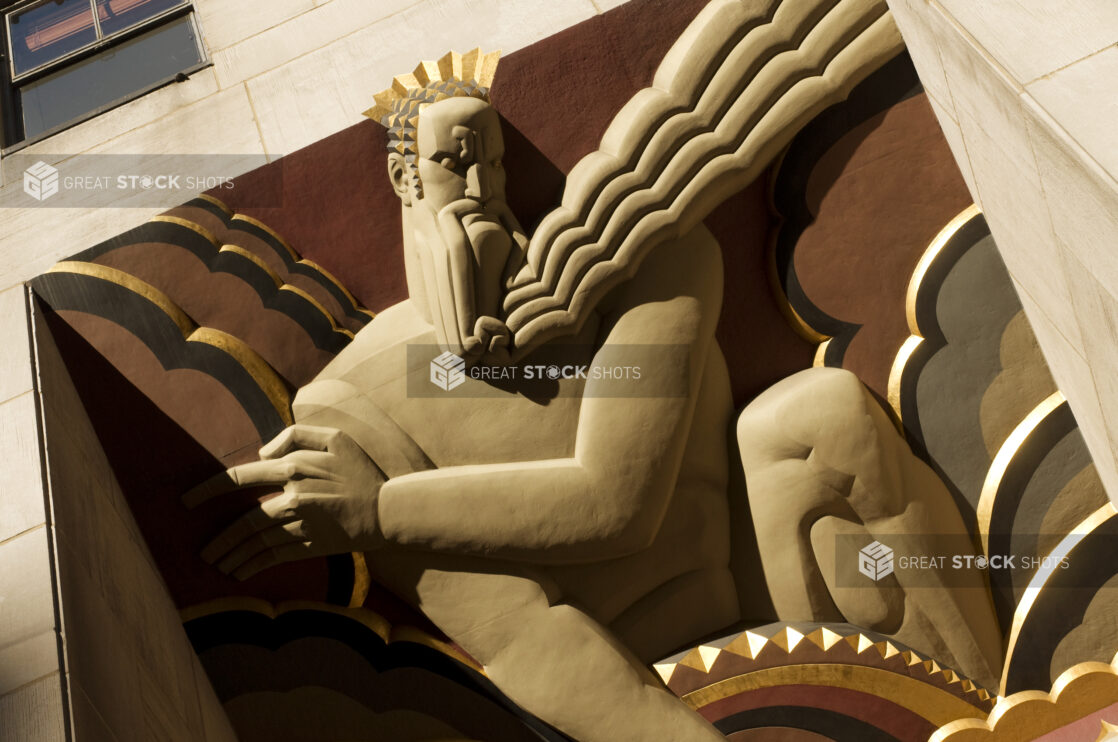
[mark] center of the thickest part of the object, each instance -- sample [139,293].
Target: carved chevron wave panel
[177,341]
[315,671]
[1064,598]
[729,96]
[237,245]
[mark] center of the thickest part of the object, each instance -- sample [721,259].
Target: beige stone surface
[27,608]
[225,22]
[28,660]
[15,360]
[55,233]
[1075,379]
[190,130]
[33,713]
[1097,309]
[1031,38]
[991,116]
[954,135]
[21,489]
[1081,97]
[278,45]
[326,89]
[35,239]
[1082,201]
[605,6]
[919,29]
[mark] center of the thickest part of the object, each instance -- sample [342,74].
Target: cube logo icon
[40,181]
[876,561]
[448,371]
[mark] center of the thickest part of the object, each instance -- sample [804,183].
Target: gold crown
[454,75]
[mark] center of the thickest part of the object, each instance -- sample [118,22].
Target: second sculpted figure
[566,543]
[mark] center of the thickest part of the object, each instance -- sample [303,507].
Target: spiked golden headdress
[398,107]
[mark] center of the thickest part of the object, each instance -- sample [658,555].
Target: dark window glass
[115,73]
[117,15]
[45,32]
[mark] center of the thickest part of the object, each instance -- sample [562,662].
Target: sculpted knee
[822,428]
[812,408]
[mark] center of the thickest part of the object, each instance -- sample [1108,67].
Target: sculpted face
[461,241]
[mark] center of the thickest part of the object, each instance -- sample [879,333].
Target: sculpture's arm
[609,498]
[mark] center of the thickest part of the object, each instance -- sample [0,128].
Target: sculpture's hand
[328,505]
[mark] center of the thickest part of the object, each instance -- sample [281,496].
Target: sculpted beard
[484,246]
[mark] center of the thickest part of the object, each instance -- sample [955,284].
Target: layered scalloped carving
[1077,696]
[729,96]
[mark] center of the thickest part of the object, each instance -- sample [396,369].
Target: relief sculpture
[568,531]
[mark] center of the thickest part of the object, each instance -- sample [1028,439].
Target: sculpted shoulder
[395,326]
[686,271]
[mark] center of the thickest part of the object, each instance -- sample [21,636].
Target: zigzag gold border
[750,645]
[1040,579]
[1080,691]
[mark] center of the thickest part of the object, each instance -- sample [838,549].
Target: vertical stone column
[33,702]
[91,644]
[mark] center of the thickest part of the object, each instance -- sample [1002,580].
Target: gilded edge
[1078,692]
[1004,457]
[927,701]
[1040,579]
[192,226]
[750,645]
[256,260]
[362,580]
[216,202]
[263,374]
[915,286]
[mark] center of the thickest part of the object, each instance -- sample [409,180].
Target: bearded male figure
[567,541]
[521,529]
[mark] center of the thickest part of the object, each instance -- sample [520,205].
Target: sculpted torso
[493,422]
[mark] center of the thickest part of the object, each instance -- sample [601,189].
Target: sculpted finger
[238,477]
[280,535]
[272,557]
[270,513]
[216,485]
[297,437]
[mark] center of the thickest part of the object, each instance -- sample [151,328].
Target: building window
[66,60]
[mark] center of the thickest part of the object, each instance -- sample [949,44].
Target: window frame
[11,114]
